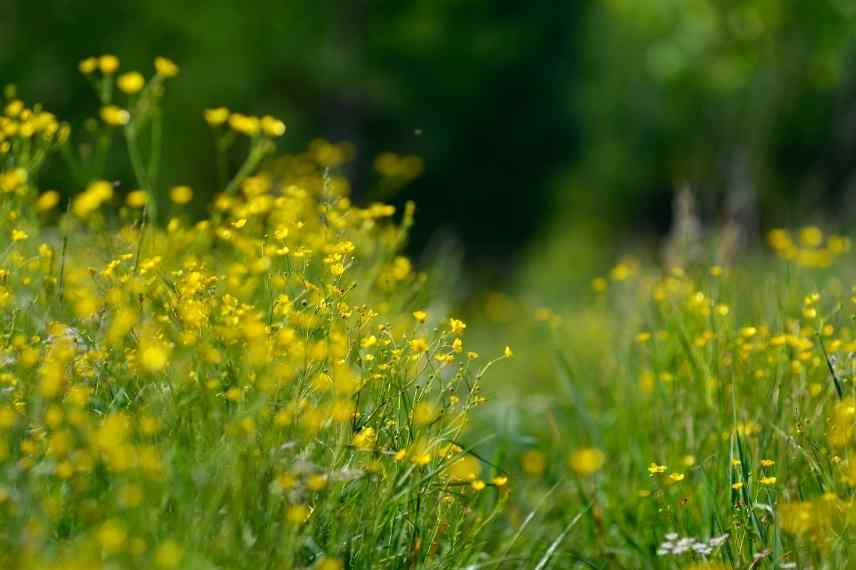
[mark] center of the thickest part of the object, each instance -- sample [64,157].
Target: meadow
[268,381]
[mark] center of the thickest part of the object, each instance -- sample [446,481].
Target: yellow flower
[115,116]
[420,315]
[419,345]
[316,482]
[767,481]
[329,564]
[477,485]
[165,67]
[767,462]
[365,438]
[654,469]
[272,127]
[297,514]
[137,198]
[244,124]
[587,461]
[19,235]
[533,462]
[424,413]
[88,66]
[181,194]
[91,199]
[507,352]
[131,82]
[47,200]
[154,354]
[217,116]
[676,477]
[457,326]
[108,64]
[112,536]
[169,554]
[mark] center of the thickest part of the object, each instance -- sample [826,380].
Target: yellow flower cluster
[245,124]
[253,369]
[810,248]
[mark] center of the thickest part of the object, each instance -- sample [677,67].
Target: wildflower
[477,485]
[217,116]
[424,413]
[243,124]
[181,194]
[91,199]
[88,66]
[329,564]
[767,481]
[748,331]
[533,462]
[136,198]
[419,345]
[272,127]
[115,116]
[675,546]
[655,469]
[676,477]
[168,554]
[457,326]
[365,438]
[165,67]
[297,514]
[507,352]
[420,316]
[19,235]
[131,82]
[643,337]
[587,461]
[108,64]
[316,482]
[499,480]
[767,462]
[599,284]
[112,536]
[811,236]
[47,200]
[154,354]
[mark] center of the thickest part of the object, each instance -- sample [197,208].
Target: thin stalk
[139,170]
[252,161]
[155,152]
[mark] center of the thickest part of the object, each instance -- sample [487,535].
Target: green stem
[155,152]
[73,164]
[139,171]
[253,158]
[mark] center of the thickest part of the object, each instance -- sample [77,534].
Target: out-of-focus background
[556,130]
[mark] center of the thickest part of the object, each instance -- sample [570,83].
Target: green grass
[655,372]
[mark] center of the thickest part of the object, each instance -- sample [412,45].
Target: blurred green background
[558,127]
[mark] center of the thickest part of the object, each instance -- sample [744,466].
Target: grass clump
[701,416]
